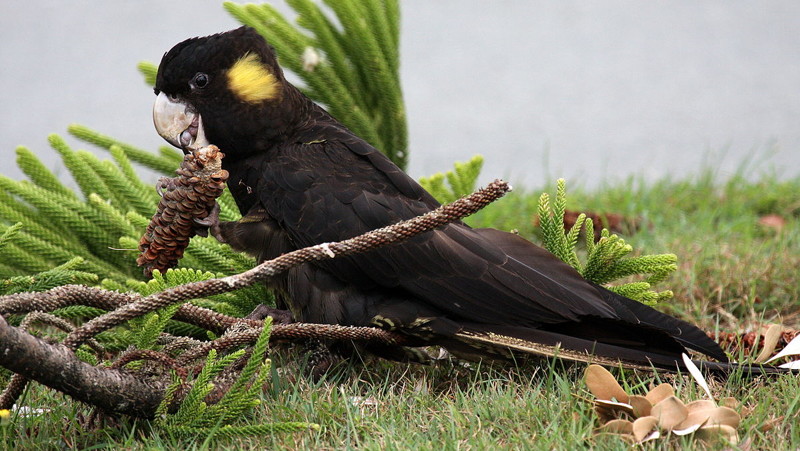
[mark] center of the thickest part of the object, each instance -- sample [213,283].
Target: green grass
[733,274]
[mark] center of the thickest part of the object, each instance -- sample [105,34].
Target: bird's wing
[323,192]
[330,190]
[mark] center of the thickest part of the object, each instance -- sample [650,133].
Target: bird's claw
[278,316]
[210,225]
[161,185]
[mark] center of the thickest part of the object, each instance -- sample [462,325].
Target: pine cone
[189,196]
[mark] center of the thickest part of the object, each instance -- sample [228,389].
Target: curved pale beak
[178,123]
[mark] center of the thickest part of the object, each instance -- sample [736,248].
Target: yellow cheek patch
[252,81]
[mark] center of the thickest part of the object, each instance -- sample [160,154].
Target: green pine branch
[102,225]
[461,180]
[194,416]
[346,52]
[607,260]
[67,273]
[167,162]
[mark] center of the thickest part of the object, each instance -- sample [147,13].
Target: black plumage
[301,178]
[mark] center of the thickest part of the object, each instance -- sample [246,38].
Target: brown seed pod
[659,413]
[189,196]
[751,343]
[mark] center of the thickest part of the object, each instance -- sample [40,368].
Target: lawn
[734,273]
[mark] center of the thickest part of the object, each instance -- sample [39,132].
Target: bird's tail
[513,342]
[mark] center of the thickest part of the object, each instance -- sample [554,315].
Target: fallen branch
[57,367]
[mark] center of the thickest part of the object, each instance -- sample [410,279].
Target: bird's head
[226,89]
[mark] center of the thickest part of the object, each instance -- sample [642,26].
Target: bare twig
[152,356]
[18,382]
[68,295]
[59,323]
[295,331]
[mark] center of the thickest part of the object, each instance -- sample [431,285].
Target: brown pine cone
[189,196]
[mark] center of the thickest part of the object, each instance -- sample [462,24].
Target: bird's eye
[200,80]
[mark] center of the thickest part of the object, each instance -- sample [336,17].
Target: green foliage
[733,265]
[149,70]
[9,233]
[44,224]
[194,416]
[142,332]
[238,303]
[461,180]
[347,63]
[192,411]
[153,324]
[245,391]
[606,260]
[45,280]
[168,160]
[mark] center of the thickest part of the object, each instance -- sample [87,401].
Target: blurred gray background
[590,91]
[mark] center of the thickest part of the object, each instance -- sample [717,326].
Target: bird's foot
[320,359]
[278,316]
[162,184]
[210,225]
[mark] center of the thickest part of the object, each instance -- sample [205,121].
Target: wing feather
[455,265]
[480,276]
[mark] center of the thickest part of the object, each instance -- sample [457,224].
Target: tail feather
[508,341]
[684,333]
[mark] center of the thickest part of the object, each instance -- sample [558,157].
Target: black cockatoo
[301,178]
